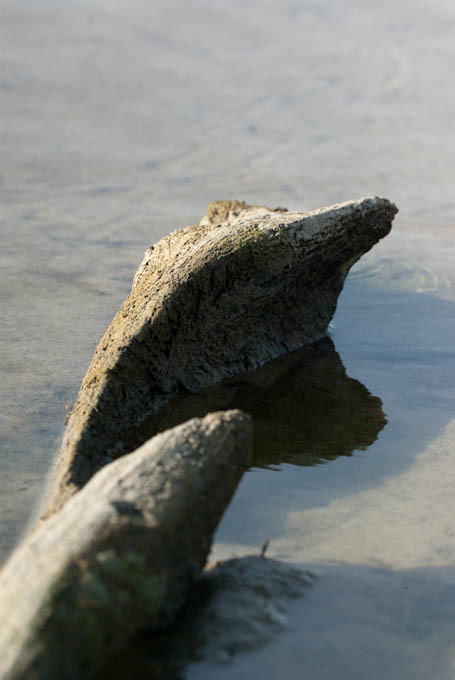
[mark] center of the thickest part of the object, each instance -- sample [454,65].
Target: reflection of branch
[304,406]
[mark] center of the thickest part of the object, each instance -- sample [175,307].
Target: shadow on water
[304,406]
[348,622]
[239,606]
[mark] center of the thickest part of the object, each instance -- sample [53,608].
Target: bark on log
[121,554]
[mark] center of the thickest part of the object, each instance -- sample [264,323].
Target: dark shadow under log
[304,407]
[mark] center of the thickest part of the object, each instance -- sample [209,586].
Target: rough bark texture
[121,554]
[208,302]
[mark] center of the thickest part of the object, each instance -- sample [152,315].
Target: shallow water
[372,525]
[120,123]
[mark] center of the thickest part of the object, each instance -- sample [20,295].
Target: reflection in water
[305,408]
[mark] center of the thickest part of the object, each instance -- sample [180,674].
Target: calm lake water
[120,122]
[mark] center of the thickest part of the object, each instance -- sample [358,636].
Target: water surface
[121,122]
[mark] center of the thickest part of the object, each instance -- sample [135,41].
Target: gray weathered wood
[122,553]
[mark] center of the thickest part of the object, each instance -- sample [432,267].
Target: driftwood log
[120,543]
[211,301]
[121,554]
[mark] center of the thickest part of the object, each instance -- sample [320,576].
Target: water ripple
[405,274]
